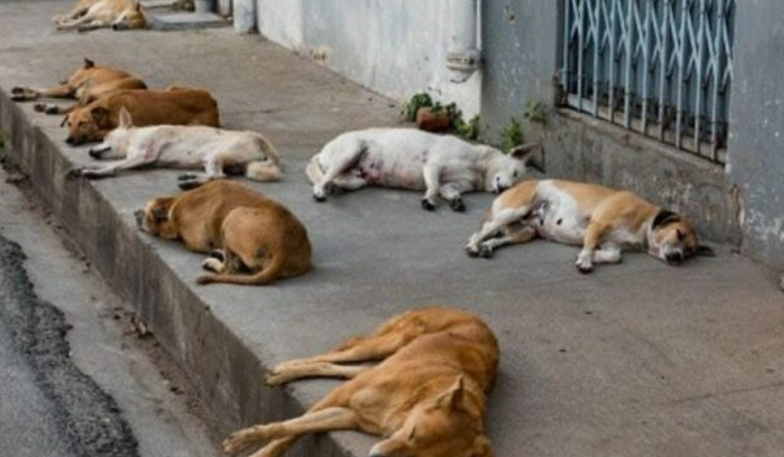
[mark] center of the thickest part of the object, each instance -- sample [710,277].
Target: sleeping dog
[254,240]
[84,85]
[177,146]
[415,160]
[603,221]
[177,105]
[95,14]
[426,397]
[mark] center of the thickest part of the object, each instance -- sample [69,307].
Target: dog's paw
[457,205]
[16,90]
[472,251]
[584,262]
[74,173]
[485,251]
[51,109]
[427,205]
[321,198]
[584,269]
[213,265]
[275,378]
[19,97]
[39,107]
[239,441]
[188,185]
[219,254]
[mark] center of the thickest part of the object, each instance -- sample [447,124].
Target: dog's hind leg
[608,253]
[111,170]
[452,193]
[314,370]
[361,349]
[51,108]
[341,162]
[593,236]
[521,236]
[491,227]
[320,418]
[23,94]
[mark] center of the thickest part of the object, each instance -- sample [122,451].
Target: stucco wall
[396,47]
[756,142]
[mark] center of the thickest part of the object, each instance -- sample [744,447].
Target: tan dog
[601,220]
[173,106]
[257,239]
[91,15]
[84,85]
[427,398]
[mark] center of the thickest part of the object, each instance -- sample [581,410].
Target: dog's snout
[139,215]
[674,258]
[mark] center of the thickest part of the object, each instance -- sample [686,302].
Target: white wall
[396,47]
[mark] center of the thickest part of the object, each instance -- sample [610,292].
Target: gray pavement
[638,359]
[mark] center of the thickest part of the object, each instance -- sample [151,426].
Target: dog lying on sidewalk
[190,147]
[174,106]
[254,240]
[84,85]
[426,397]
[603,221]
[95,14]
[415,160]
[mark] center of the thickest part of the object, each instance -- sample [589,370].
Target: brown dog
[427,398]
[257,239]
[84,85]
[173,106]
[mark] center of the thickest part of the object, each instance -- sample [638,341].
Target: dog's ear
[138,6]
[525,151]
[453,398]
[704,251]
[100,115]
[88,63]
[126,120]
[664,217]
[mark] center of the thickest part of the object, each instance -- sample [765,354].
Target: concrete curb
[225,371]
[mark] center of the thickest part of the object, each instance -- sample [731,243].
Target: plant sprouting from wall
[512,135]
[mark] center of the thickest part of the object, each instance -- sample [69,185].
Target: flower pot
[432,121]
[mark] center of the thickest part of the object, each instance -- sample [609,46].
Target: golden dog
[84,85]
[174,106]
[603,221]
[256,240]
[426,397]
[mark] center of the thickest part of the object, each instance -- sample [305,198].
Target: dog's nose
[139,215]
[115,27]
[70,141]
[674,258]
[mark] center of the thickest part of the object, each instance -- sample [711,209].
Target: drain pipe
[244,16]
[463,56]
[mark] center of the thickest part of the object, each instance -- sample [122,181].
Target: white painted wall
[396,47]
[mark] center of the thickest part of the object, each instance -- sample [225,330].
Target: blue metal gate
[659,67]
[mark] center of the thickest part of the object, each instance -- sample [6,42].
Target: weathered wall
[396,47]
[756,143]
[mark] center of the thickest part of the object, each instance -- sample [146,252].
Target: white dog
[413,159]
[190,147]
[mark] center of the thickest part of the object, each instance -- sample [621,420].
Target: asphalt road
[48,406]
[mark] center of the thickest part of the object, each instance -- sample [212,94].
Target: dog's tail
[260,278]
[268,169]
[314,171]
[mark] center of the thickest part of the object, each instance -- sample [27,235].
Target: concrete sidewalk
[639,359]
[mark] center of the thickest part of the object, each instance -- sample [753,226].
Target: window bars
[659,67]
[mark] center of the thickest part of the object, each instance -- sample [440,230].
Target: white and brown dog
[603,221]
[184,147]
[412,159]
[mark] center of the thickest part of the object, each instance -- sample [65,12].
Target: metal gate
[659,67]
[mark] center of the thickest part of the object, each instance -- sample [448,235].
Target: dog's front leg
[593,236]
[431,173]
[23,94]
[452,193]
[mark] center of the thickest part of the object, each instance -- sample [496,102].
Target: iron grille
[659,67]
